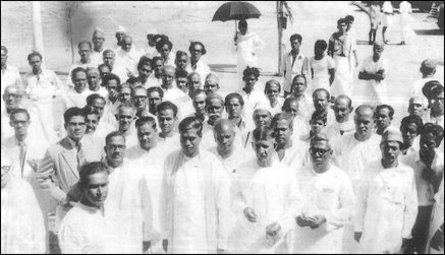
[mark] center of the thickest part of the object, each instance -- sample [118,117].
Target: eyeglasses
[316,152]
[115,147]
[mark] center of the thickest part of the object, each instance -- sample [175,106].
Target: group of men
[139,153]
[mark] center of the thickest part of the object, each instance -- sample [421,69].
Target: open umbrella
[236,11]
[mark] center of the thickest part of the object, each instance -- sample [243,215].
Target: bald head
[127,42]
[224,125]
[13,96]
[224,133]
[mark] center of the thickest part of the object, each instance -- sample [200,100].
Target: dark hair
[288,101]
[346,98]
[197,92]
[155,89]
[269,83]
[113,134]
[192,45]
[77,70]
[167,105]
[283,116]
[180,53]
[349,18]
[320,138]
[251,71]
[90,110]
[71,112]
[133,80]
[435,130]
[146,119]
[191,123]
[341,20]
[108,51]
[34,54]
[163,42]
[91,98]
[384,106]
[17,111]
[110,77]
[262,133]
[144,60]
[85,42]
[319,115]
[412,119]
[181,73]
[242,22]
[296,37]
[5,49]
[321,44]
[90,169]
[328,96]
[154,60]
[299,76]
[231,96]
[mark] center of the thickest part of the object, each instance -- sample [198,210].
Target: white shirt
[72,98]
[300,66]
[252,101]
[247,46]
[334,130]
[44,86]
[93,63]
[321,72]
[231,163]
[10,76]
[386,207]
[202,68]
[294,156]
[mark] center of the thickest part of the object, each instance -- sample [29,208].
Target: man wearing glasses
[59,169]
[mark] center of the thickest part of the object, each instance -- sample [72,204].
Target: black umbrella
[236,11]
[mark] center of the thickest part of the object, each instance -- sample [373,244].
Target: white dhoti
[342,84]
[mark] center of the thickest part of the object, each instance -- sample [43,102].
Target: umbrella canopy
[236,11]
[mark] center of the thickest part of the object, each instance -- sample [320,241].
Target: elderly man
[265,198]
[428,164]
[305,103]
[10,74]
[290,152]
[23,229]
[373,73]
[98,40]
[127,58]
[139,98]
[155,97]
[149,153]
[12,99]
[386,201]
[261,118]
[294,63]
[85,61]
[85,229]
[128,204]
[211,84]
[109,59]
[193,83]
[126,115]
[120,33]
[434,91]
[383,116]
[76,97]
[291,105]
[329,202]
[322,103]
[94,82]
[410,128]
[59,169]
[428,71]
[214,107]
[171,91]
[230,153]
[168,119]
[343,124]
[201,226]
[197,50]
[418,105]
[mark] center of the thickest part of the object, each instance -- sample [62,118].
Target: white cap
[122,29]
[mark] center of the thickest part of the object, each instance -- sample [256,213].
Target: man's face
[250,82]
[377,51]
[145,71]
[190,142]
[4,57]
[158,66]
[116,150]
[84,52]
[96,189]
[292,108]
[12,97]
[35,62]
[182,62]
[98,40]
[199,103]
[317,126]
[224,139]
[104,71]
[272,92]
[140,99]
[125,118]
[181,83]
[91,122]
[120,37]
[382,119]
[409,132]
[437,104]
[363,123]
[234,108]
[99,106]
[243,29]
[321,101]
[76,128]
[341,110]
[194,83]
[146,136]
[282,132]
[320,152]
[343,27]
[108,59]
[390,151]
[427,144]
[214,110]
[416,107]
[154,99]
[210,87]
[196,52]
[127,42]
[165,51]
[20,123]
[93,78]
[125,94]
[299,86]
[80,81]
[295,45]
[112,89]
[168,76]
[264,151]
[167,121]
[262,118]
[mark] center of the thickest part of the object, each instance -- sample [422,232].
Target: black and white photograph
[222,127]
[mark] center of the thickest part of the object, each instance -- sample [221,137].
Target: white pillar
[37,27]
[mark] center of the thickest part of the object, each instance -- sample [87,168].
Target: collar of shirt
[73,143]
[91,209]
[299,56]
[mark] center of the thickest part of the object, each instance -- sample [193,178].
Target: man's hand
[437,240]
[273,233]
[357,236]
[165,244]
[303,221]
[250,214]
[145,246]
[317,221]
[221,251]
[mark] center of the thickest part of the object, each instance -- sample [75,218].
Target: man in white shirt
[428,71]
[322,103]
[410,128]
[214,108]
[197,50]
[85,48]
[305,103]
[171,92]
[252,95]
[12,99]
[98,40]
[383,116]
[126,115]
[234,105]
[386,201]
[94,82]
[192,174]
[168,119]
[328,202]
[10,74]
[127,58]
[344,124]
[77,96]
[294,63]
[418,105]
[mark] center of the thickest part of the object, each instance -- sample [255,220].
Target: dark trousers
[420,229]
